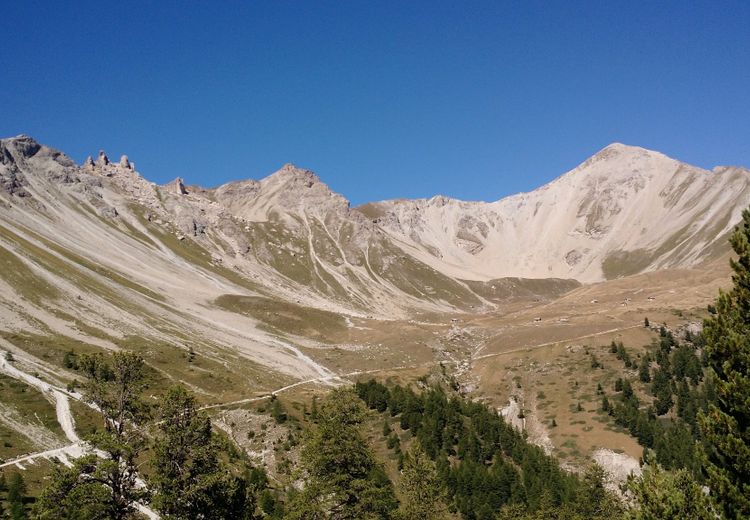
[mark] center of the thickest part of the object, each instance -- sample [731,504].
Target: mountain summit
[98,248]
[622,211]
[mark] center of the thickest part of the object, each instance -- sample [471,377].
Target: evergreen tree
[189,482]
[662,390]
[343,479]
[627,391]
[644,373]
[726,425]
[386,429]
[594,501]
[660,495]
[3,489]
[15,496]
[104,486]
[277,410]
[421,490]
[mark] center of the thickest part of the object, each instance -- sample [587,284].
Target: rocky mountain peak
[102,160]
[176,186]
[125,162]
[20,147]
[289,173]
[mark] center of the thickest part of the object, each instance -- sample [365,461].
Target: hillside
[623,211]
[277,287]
[267,271]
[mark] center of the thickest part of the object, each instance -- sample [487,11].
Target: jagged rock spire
[103,160]
[176,186]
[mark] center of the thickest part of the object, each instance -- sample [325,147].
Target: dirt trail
[65,417]
[62,406]
[330,378]
[555,342]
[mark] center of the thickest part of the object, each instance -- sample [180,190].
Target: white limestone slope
[624,210]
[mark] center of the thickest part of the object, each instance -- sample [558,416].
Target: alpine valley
[279,287]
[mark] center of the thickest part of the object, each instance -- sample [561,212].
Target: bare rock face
[176,186]
[190,225]
[622,199]
[13,184]
[25,146]
[572,257]
[291,232]
[23,154]
[102,160]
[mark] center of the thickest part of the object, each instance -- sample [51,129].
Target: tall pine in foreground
[104,485]
[662,494]
[343,479]
[189,481]
[726,425]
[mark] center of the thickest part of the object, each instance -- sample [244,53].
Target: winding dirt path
[65,454]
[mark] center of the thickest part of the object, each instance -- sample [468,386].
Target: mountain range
[97,253]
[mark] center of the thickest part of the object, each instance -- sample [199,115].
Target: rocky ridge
[97,247]
[623,211]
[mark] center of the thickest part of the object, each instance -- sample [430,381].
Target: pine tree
[662,390]
[660,494]
[343,479]
[189,481]
[16,495]
[594,501]
[421,490]
[386,429]
[104,486]
[643,371]
[726,425]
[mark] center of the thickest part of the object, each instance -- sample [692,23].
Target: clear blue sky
[382,99]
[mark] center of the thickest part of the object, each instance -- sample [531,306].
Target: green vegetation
[483,463]
[671,433]
[28,284]
[27,406]
[344,481]
[418,279]
[189,480]
[286,317]
[180,455]
[85,275]
[192,252]
[52,347]
[104,487]
[661,494]
[686,399]
[14,504]
[624,263]
[504,289]
[422,494]
[725,423]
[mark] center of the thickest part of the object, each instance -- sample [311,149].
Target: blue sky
[474,100]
